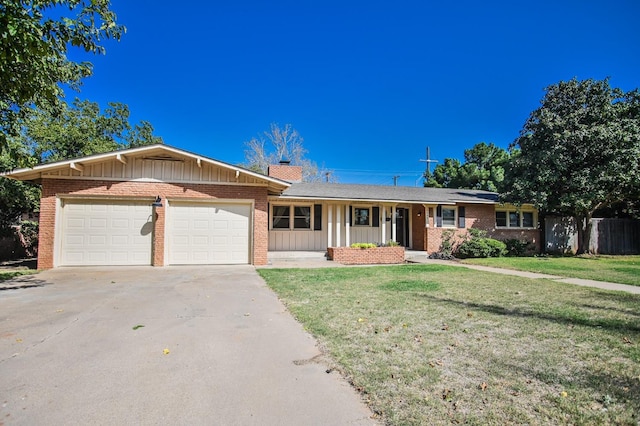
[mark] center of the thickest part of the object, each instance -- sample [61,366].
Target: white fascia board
[359,200]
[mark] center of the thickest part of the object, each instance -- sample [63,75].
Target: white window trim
[520,213]
[455,216]
[353,215]
[292,216]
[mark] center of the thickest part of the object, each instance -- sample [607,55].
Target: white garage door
[208,234]
[106,233]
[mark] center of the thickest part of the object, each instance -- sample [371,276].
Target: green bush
[517,248]
[363,245]
[481,247]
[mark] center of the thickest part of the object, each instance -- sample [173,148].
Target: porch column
[383,225]
[426,215]
[329,225]
[338,222]
[393,223]
[347,231]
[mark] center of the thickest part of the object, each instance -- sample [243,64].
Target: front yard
[617,269]
[433,344]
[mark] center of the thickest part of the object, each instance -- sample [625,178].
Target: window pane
[527,220]
[281,217]
[361,216]
[448,216]
[281,211]
[302,218]
[280,222]
[501,218]
[514,220]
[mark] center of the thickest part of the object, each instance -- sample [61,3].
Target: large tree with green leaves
[579,151]
[35,36]
[483,168]
[82,129]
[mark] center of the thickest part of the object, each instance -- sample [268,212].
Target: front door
[402,227]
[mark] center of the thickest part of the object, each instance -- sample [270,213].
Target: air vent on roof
[162,158]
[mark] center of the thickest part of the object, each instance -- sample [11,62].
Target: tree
[580,151]
[81,129]
[34,40]
[276,145]
[16,197]
[484,168]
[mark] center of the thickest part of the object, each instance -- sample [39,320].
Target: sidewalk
[577,281]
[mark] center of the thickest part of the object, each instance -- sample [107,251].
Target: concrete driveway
[69,353]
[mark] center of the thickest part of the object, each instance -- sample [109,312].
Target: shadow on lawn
[614,325]
[601,385]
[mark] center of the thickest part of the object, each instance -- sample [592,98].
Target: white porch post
[329,225]
[338,220]
[426,215]
[393,223]
[347,231]
[383,225]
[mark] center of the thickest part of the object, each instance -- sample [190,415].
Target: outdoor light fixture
[157,202]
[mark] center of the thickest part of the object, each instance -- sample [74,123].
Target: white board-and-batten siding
[156,170]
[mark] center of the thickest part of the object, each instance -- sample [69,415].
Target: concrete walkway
[317,260]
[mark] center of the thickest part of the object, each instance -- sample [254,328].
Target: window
[302,217]
[361,216]
[296,217]
[527,219]
[281,217]
[448,216]
[514,219]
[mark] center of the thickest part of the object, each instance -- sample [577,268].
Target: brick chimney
[285,171]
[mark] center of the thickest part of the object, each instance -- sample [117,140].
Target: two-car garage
[120,232]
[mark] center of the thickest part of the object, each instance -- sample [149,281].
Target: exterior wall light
[157,202]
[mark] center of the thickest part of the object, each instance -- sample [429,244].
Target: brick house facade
[158,205]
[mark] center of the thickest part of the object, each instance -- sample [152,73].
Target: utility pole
[428,161]
[395,180]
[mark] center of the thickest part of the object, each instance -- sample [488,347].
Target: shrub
[517,248]
[363,245]
[446,246]
[478,245]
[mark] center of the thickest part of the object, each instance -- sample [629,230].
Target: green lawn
[434,344]
[617,269]
[8,274]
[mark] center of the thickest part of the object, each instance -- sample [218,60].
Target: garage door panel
[208,233]
[105,233]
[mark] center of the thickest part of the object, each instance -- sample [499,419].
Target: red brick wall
[368,256]
[479,216]
[56,187]
[288,173]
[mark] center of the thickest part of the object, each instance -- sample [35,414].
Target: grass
[9,274]
[617,269]
[433,344]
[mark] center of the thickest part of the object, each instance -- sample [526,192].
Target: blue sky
[367,84]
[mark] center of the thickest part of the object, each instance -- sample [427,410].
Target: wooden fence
[608,236]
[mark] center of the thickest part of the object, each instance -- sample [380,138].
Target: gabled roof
[380,193]
[159,152]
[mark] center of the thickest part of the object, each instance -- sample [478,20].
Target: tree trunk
[584,233]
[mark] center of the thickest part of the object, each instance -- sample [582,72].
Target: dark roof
[338,191]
